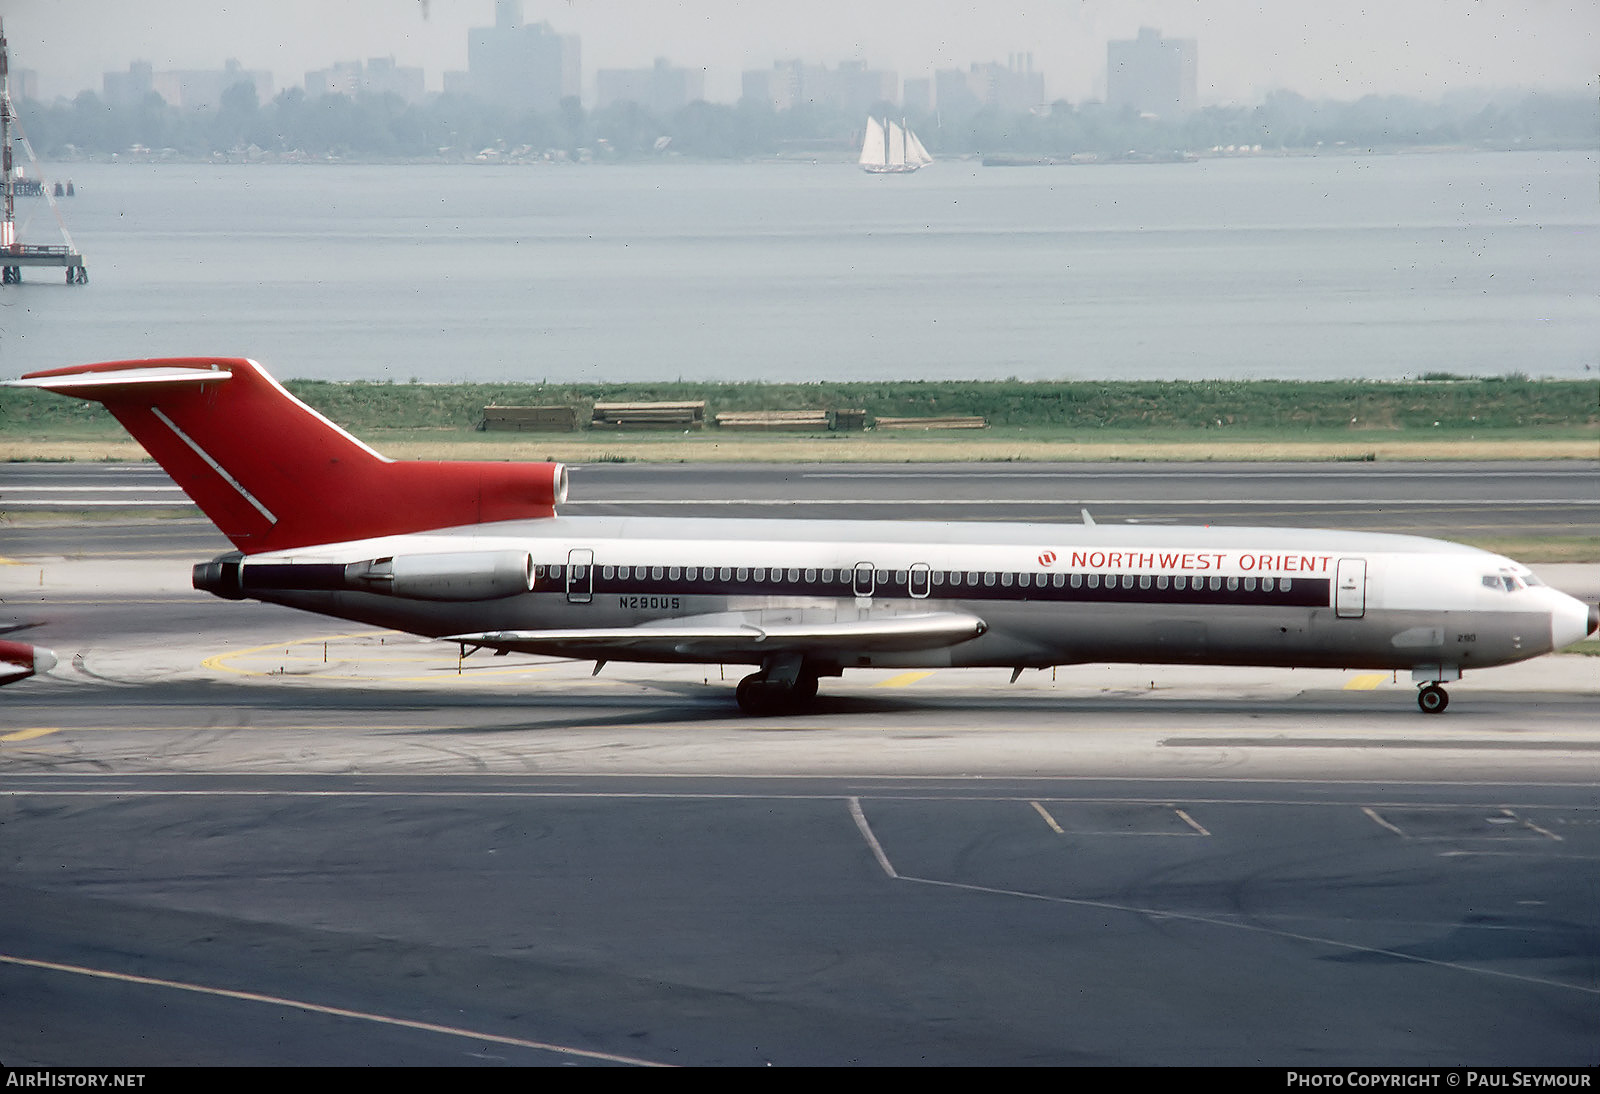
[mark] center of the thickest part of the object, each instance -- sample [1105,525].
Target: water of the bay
[1301,268]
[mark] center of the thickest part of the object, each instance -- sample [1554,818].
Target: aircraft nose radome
[43,660]
[1572,622]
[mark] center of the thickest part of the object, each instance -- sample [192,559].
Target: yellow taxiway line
[29,734]
[903,680]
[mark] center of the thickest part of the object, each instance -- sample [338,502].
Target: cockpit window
[1507,582]
[1531,581]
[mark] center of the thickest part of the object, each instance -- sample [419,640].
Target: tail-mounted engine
[469,575]
[455,576]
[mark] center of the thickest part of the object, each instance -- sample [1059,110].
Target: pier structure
[15,255]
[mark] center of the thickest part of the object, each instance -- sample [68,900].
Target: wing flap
[726,636]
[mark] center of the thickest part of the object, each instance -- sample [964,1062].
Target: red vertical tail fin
[272,473]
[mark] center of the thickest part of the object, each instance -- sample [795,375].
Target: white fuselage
[1046,594]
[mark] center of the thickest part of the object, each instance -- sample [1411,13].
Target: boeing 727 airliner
[474,553]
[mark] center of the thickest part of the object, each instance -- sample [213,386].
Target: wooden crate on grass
[530,419]
[684,415]
[945,422]
[774,421]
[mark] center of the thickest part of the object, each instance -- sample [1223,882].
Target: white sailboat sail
[897,146]
[891,148]
[872,147]
[916,153]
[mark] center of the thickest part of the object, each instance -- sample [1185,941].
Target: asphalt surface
[236,834]
[1535,498]
[452,919]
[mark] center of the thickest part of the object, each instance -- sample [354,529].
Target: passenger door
[920,580]
[580,575]
[1350,589]
[865,580]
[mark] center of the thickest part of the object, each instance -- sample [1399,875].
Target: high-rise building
[522,66]
[341,78]
[852,87]
[918,95]
[1152,75]
[129,88]
[783,87]
[858,88]
[952,93]
[188,89]
[384,77]
[1011,87]
[25,83]
[378,76]
[661,89]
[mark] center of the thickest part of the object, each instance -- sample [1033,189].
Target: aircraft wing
[731,636]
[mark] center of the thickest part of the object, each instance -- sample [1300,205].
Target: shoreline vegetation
[791,153]
[1436,417]
[296,127]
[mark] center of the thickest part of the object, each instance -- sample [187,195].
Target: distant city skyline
[1426,48]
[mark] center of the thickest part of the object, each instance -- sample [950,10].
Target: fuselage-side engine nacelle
[456,576]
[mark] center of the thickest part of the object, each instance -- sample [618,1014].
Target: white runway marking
[872,840]
[1020,473]
[92,490]
[1497,503]
[1191,917]
[318,1008]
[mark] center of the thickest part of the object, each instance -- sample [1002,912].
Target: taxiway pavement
[239,834]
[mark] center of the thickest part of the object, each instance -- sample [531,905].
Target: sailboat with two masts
[890,148]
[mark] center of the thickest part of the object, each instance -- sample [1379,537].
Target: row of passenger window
[955,580]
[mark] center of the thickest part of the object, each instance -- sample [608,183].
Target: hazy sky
[1321,48]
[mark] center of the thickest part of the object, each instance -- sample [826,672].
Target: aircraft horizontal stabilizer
[724,636]
[82,382]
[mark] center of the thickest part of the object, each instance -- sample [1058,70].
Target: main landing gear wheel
[1433,699]
[760,696]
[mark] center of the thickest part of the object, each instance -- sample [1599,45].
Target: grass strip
[1080,410]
